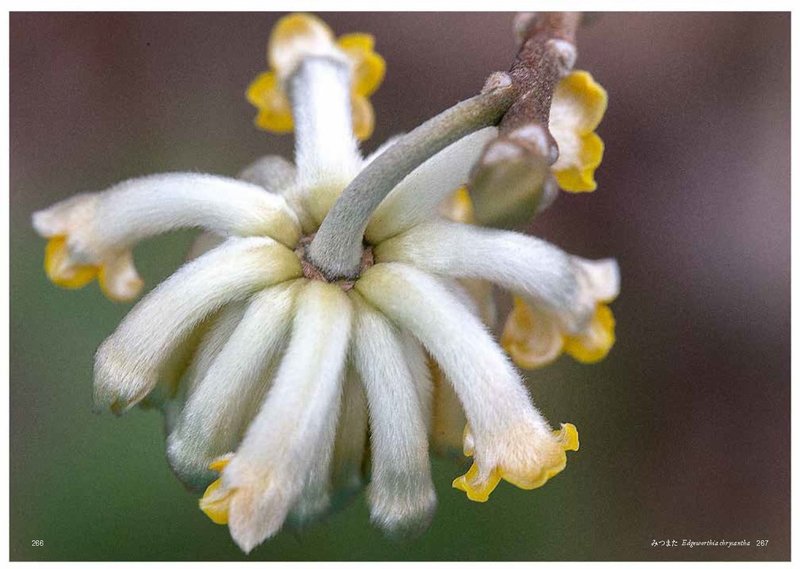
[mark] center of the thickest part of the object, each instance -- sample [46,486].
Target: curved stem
[336,248]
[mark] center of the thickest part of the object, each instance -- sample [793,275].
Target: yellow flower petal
[219,464]
[586,98]
[61,270]
[294,37]
[360,42]
[553,461]
[216,501]
[477,490]
[369,68]
[363,117]
[530,338]
[579,103]
[595,343]
[569,437]
[580,177]
[275,112]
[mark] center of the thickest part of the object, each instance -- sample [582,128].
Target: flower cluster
[274,378]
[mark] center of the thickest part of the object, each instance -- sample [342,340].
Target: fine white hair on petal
[103,223]
[351,438]
[327,154]
[416,198]
[523,264]
[204,344]
[273,173]
[295,427]
[61,217]
[505,425]
[400,494]
[229,392]
[128,363]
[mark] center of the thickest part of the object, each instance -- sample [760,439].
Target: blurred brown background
[684,428]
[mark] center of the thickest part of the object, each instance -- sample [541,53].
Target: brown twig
[514,167]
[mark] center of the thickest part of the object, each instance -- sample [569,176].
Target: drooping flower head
[275,376]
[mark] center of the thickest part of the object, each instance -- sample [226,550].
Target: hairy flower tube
[281,385]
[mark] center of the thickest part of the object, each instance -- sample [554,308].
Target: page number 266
[37,543]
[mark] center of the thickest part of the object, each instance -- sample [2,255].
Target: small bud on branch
[515,167]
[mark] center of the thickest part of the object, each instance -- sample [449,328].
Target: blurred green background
[684,428]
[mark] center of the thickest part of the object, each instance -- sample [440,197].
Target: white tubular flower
[225,397]
[281,382]
[509,439]
[401,494]
[92,234]
[534,336]
[128,363]
[293,434]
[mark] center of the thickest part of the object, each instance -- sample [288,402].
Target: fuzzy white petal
[229,393]
[327,154]
[277,175]
[401,494]
[128,363]
[294,430]
[505,425]
[203,346]
[525,265]
[99,225]
[417,197]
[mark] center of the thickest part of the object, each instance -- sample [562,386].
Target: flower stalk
[337,247]
[521,154]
